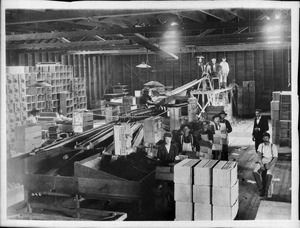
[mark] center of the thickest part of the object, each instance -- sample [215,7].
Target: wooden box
[285,124]
[223,196]
[203,172]
[92,181]
[82,121]
[285,115]
[183,193]
[122,138]
[225,174]
[184,211]
[164,173]
[175,114]
[276,96]
[225,212]
[275,114]
[202,194]
[202,211]
[285,97]
[184,171]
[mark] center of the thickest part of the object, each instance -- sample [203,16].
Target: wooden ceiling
[96,30]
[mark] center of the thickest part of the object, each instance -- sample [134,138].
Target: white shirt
[225,68]
[258,119]
[267,152]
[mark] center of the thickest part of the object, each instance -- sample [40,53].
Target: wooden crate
[203,172]
[225,196]
[275,114]
[285,115]
[202,194]
[285,97]
[225,174]
[225,212]
[175,114]
[183,192]
[285,107]
[276,96]
[275,105]
[184,211]
[202,212]
[164,173]
[98,183]
[285,124]
[122,138]
[184,171]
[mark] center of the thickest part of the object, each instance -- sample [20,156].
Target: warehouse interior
[92,97]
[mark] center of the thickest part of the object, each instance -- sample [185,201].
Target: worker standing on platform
[224,73]
[226,129]
[259,128]
[32,118]
[215,72]
[188,142]
[145,99]
[267,158]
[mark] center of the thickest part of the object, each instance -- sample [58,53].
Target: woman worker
[167,151]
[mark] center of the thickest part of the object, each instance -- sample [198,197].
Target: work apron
[187,147]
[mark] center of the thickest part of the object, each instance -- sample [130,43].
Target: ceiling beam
[148,29]
[140,39]
[192,15]
[67,15]
[238,13]
[149,42]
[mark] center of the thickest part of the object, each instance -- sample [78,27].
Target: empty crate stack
[80,99]
[281,118]
[183,191]
[202,190]
[82,121]
[225,185]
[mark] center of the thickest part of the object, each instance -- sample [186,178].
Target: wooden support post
[192,108]
[175,114]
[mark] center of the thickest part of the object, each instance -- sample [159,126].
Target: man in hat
[267,157]
[226,128]
[206,131]
[260,126]
[145,99]
[32,118]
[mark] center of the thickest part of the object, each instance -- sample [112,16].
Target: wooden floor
[243,151]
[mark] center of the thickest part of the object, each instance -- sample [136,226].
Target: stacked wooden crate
[192,109]
[122,139]
[79,89]
[246,99]
[281,118]
[153,131]
[183,190]
[175,117]
[202,190]
[28,138]
[225,191]
[66,103]
[82,121]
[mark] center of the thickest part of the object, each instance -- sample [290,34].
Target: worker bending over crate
[267,158]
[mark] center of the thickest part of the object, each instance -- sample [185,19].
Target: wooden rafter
[148,29]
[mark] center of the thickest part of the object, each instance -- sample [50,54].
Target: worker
[224,73]
[260,126]
[205,132]
[217,143]
[145,99]
[188,142]
[215,71]
[168,151]
[32,117]
[233,95]
[225,129]
[267,158]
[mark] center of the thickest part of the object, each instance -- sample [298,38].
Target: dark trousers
[224,155]
[258,140]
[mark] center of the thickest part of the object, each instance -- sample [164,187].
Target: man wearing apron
[225,129]
[188,142]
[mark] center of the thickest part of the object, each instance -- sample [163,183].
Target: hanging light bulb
[144,64]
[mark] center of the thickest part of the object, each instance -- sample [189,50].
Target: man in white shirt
[32,118]
[267,158]
[224,73]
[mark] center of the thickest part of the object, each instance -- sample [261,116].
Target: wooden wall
[268,68]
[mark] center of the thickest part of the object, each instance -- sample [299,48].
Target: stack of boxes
[202,189]
[122,139]
[183,190]
[82,121]
[192,109]
[225,191]
[175,115]
[153,131]
[281,118]
[28,138]
[79,89]
[205,190]
[66,103]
